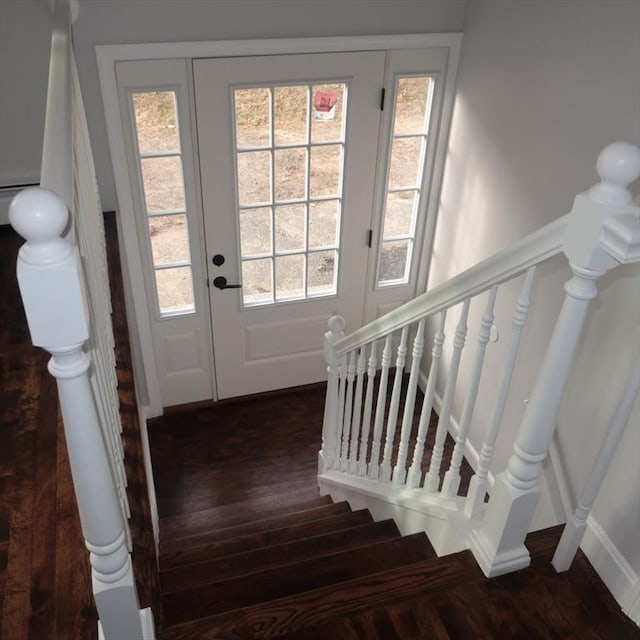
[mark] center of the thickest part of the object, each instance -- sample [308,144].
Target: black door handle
[221,283]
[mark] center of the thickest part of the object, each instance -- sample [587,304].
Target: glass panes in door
[159,155]
[289,157]
[409,137]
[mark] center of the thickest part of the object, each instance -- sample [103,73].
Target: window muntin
[289,152]
[157,135]
[406,161]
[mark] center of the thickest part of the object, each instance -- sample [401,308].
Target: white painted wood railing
[64,284]
[383,468]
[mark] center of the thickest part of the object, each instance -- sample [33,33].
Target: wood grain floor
[224,458]
[251,459]
[45,591]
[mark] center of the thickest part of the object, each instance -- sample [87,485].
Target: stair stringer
[413,510]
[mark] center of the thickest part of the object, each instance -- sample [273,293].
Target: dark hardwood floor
[254,461]
[45,584]
[242,461]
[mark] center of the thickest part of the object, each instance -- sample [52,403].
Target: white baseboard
[612,567]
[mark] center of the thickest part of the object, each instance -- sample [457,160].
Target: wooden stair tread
[276,556]
[229,515]
[293,579]
[191,554]
[322,605]
[247,528]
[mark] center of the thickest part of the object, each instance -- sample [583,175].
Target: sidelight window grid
[397,245]
[163,194]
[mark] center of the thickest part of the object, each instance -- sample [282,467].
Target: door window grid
[163,195]
[406,162]
[303,266]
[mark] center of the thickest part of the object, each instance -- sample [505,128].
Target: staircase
[287,562]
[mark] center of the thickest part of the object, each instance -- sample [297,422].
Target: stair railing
[66,296]
[599,234]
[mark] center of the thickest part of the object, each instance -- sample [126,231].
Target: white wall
[25,36]
[543,86]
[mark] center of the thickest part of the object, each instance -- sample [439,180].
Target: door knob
[218,260]
[221,283]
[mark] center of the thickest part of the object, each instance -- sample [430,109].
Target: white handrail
[500,267]
[55,170]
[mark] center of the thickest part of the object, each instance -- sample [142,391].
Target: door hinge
[382,98]
[369,238]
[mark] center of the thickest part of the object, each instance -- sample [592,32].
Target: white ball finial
[619,163]
[336,324]
[40,217]
[618,166]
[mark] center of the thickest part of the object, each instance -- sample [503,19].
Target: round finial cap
[336,324]
[38,215]
[618,166]
[619,163]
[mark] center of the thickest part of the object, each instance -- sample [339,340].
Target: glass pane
[393,260]
[175,290]
[290,113]
[255,231]
[169,239]
[290,277]
[290,227]
[163,184]
[321,273]
[326,166]
[323,223]
[398,214]
[252,117]
[156,122]
[406,155]
[254,177]
[256,281]
[327,123]
[412,98]
[290,173]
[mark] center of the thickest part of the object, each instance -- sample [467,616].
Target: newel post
[328,453]
[52,293]
[601,234]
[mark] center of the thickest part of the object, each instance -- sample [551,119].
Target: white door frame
[108,55]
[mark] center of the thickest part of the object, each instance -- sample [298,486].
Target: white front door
[288,176]
[288,148]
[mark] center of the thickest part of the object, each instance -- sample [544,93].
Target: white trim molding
[612,567]
[109,55]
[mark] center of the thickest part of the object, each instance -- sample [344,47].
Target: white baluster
[374,464]
[394,406]
[414,478]
[342,375]
[368,405]
[53,298]
[348,409]
[498,545]
[357,411]
[330,424]
[479,482]
[577,523]
[432,479]
[451,481]
[400,470]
